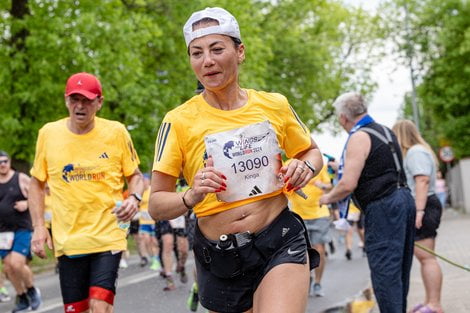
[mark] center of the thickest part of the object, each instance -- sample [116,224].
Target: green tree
[302,48]
[439,40]
[320,49]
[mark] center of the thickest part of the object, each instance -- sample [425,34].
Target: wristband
[184,201]
[310,166]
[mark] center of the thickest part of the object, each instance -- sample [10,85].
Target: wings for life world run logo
[243,146]
[71,173]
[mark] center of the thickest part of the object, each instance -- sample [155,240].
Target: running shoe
[193,299]
[348,254]
[156,265]
[21,304]
[331,244]
[170,283]
[4,296]
[123,264]
[181,271]
[34,296]
[318,290]
[143,261]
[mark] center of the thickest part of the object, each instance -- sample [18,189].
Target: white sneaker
[123,263]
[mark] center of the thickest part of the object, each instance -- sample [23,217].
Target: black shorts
[431,219]
[89,276]
[164,227]
[134,228]
[228,278]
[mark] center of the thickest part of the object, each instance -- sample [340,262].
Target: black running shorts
[228,279]
[431,219]
[90,276]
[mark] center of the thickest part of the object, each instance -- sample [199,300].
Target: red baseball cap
[85,84]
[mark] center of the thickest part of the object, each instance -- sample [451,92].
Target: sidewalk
[453,243]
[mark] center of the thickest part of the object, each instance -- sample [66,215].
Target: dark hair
[199,88]
[3,153]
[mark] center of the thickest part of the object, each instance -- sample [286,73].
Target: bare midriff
[251,217]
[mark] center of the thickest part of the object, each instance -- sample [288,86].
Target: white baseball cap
[228,25]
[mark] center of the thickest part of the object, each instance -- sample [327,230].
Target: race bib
[178,222]
[6,240]
[249,157]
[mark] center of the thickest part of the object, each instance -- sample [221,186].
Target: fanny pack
[235,254]
[230,256]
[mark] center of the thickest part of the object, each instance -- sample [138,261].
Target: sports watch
[310,166]
[137,196]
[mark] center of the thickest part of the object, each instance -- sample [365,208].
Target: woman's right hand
[207,180]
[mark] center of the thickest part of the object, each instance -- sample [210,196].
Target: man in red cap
[84,159]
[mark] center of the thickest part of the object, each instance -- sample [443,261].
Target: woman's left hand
[297,174]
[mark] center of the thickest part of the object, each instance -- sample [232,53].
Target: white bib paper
[249,157]
[6,240]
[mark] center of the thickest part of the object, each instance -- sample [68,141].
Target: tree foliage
[438,39]
[305,49]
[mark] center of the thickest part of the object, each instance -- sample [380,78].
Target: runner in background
[356,220]
[4,294]
[173,234]
[147,241]
[317,220]
[85,160]
[15,235]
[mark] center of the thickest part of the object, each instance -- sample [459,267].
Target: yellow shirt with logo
[310,208]
[145,218]
[180,140]
[85,174]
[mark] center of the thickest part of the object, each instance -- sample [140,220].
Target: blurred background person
[317,220]
[356,220]
[441,189]
[420,165]
[4,294]
[15,235]
[371,171]
[147,242]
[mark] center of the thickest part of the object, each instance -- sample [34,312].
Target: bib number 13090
[250,164]
[249,157]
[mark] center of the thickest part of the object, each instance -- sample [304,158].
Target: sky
[393,82]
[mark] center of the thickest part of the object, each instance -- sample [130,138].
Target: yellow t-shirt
[310,208]
[145,218]
[85,174]
[180,140]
